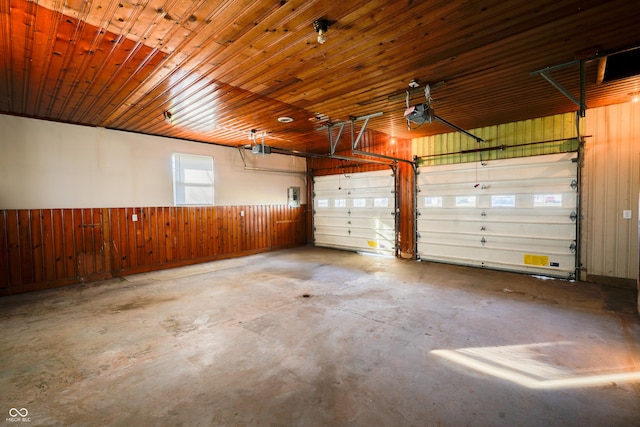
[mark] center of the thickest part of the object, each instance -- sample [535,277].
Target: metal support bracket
[334,143]
[356,140]
[354,143]
[581,103]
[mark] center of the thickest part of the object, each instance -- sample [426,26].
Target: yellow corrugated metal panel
[546,135]
[610,186]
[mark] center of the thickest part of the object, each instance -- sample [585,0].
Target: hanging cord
[477,183]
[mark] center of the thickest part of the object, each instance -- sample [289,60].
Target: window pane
[192,179]
[503,201]
[340,203]
[323,203]
[381,202]
[197,176]
[433,202]
[359,203]
[547,200]
[466,201]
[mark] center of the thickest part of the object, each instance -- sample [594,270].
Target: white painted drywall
[54,165]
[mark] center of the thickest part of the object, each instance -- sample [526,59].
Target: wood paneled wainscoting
[46,248]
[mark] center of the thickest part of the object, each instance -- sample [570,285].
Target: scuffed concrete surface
[313,337]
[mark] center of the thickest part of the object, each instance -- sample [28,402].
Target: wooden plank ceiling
[223,68]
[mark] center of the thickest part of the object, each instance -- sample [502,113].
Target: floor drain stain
[306,295]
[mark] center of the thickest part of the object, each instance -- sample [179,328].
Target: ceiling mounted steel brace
[333,142]
[581,103]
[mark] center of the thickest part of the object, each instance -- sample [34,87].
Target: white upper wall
[53,165]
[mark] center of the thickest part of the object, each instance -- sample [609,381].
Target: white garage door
[355,212]
[517,214]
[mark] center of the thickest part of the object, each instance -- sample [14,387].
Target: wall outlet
[626,214]
[134,217]
[241,213]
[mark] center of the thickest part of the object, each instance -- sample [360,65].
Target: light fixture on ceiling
[168,116]
[635,97]
[321,26]
[285,119]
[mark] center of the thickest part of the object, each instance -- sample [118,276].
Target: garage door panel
[554,265]
[373,223]
[356,221]
[511,242]
[363,232]
[368,234]
[522,185]
[507,214]
[561,214]
[357,244]
[538,202]
[536,167]
[532,230]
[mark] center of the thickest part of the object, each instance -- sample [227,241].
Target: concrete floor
[313,337]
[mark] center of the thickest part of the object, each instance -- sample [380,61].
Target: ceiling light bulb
[635,99]
[321,26]
[321,37]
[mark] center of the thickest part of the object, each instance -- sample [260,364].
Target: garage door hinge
[483,240]
[572,247]
[573,216]
[574,184]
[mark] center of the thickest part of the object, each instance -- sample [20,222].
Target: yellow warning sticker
[531,259]
[372,243]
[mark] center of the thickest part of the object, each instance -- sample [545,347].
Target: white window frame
[181,164]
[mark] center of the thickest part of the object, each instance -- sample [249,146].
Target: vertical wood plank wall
[43,248]
[611,182]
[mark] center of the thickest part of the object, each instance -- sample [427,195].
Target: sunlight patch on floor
[538,366]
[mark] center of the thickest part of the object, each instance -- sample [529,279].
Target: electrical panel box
[293,197]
